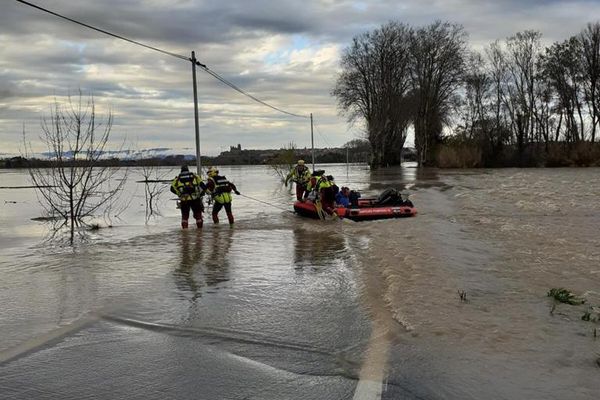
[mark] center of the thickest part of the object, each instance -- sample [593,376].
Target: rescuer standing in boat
[321,184]
[220,189]
[300,174]
[190,189]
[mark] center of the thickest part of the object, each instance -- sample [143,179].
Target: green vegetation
[564,296]
[592,314]
[283,162]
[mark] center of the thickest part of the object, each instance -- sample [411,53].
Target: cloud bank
[285,53]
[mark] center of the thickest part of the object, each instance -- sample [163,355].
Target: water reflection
[217,262]
[317,248]
[190,243]
[204,260]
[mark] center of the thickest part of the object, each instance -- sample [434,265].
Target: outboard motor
[389,196]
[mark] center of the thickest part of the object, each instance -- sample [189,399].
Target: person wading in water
[190,189]
[220,189]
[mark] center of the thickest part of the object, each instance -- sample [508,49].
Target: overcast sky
[285,52]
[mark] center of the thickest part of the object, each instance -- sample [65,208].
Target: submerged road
[218,315]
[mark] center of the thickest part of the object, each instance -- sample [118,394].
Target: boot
[230,218]
[184,223]
[199,223]
[215,218]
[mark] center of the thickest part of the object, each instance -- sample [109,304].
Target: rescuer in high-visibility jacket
[324,187]
[300,175]
[220,189]
[190,189]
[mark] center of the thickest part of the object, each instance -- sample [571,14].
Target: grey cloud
[42,56]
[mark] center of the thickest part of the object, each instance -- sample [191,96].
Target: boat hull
[368,213]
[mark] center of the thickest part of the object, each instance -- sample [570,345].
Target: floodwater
[280,307]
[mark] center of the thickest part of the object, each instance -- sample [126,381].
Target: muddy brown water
[326,302]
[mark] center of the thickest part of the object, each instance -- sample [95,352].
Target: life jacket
[300,174]
[222,191]
[187,186]
[323,183]
[221,185]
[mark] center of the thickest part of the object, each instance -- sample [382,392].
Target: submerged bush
[564,296]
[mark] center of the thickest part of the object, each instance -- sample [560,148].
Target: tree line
[515,102]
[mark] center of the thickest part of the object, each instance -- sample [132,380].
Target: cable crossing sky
[182,57]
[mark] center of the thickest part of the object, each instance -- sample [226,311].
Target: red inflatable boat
[364,212]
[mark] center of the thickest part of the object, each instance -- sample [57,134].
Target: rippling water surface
[319,304]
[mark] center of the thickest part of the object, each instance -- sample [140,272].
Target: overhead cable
[204,67]
[322,136]
[236,88]
[105,32]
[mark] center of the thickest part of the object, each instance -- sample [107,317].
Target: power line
[182,57]
[234,87]
[105,32]
[322,136]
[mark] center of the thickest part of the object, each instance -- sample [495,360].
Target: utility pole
[347,160]
[198,161]
[312,142]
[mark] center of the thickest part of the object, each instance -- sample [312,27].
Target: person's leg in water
[327,200]
[185,213]
[300,189]
[229,213]
[198,208]
[215,212]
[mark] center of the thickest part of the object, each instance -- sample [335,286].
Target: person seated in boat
[353,196]
[342,198]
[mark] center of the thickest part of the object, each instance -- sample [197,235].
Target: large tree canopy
[372,88]
[394,76]
[438,54]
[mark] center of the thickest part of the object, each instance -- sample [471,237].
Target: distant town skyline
[285,53]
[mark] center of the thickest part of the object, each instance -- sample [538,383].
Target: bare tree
[590,46]
[477,85]
[438,53]
[498,70]
[155,181]
[284,161]
[561,69]
[76,186]
[373,86]
[523,52]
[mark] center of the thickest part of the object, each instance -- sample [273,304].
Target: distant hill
[234,156]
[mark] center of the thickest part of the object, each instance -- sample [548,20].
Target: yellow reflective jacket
[318,182]
[299,175]
[220,189]
[187,186]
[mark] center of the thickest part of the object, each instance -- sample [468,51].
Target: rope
[267,203]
